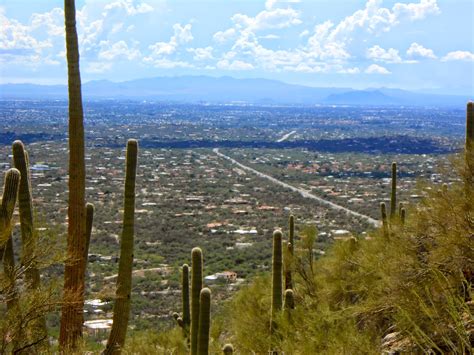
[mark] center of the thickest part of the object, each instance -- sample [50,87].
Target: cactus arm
[121,317]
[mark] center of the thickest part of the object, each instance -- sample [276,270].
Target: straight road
[286,136]
[302,192]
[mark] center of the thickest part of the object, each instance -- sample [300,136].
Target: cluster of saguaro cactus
[196,321]
[281,300]
[18,186]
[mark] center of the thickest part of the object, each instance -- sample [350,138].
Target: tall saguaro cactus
[196,286]
[26,216]
[470,127]
[73,297]
[186,316]
[277,287]
[9,197]
[204,321]
[291,246]
[29,248]
[124,279]
[393,194]
[383,212]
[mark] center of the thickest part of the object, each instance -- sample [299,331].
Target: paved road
[286,136]
[303,192]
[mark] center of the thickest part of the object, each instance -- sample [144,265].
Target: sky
[416,44]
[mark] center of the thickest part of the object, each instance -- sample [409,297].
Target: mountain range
[205,89]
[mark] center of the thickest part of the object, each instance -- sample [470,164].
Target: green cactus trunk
[28,237]
[204,321]
[402,216]
[73,295]
[393,195]
[9,197]
[124,280]
[383,212]
[186,316]
[277,285]
[289,303]
[196,286]
[291,241]
[469,150]
[26,216]
[470,127]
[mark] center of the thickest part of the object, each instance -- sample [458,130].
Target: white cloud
[165,63]
[416,11]
[269,4]
[52,20]
[269,36]
[268,19]
[379,54]
[16,36]
[234,65]
[304,33]
[118,50]
[376,69]
[418,51]
[458,55]
[130,8]
[201,53]
[375,19]
[97,67]
[353,70]
[182,34]
[224,36]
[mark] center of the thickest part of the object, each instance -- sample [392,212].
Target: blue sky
[414,44]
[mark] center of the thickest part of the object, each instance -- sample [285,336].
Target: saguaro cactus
[73,297]
[9,197]
[204,321]
[26,216]
[470,127]
[290,245]
[32,273]
[196,286]
[289,303]
[393,195]
[383,211]
[186,316]
[277,287]
[124,279]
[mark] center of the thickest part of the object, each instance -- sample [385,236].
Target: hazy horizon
[424,45]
